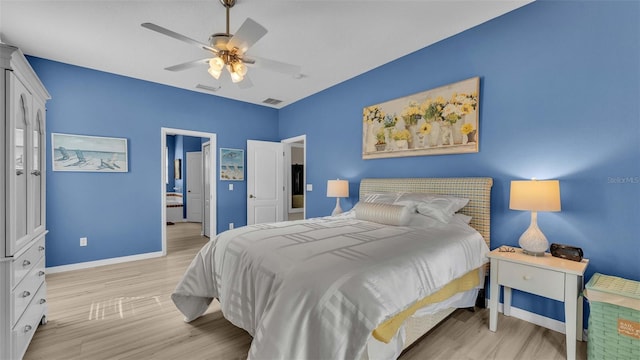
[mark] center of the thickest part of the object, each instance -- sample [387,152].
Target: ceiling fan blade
[247,35]
[187,65]
[175,35]
[273,65]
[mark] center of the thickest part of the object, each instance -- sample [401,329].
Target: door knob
[251,196]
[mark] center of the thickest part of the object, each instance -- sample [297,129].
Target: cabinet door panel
[38,169]
[19,210]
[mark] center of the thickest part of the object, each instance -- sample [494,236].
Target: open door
[265,189]
[194,186]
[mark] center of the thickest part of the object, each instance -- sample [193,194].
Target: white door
[194,186]
[206,156]
[265,189]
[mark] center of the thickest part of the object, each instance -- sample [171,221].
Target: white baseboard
[545,322]
[111,261]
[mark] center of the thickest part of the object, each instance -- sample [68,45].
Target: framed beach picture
[231,164]
[438,121]
[88,153]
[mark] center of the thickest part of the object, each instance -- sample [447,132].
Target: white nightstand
[547,276]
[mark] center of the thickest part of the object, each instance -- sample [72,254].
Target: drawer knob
[26,294]
[26,263]
[27,328]
[41,248]
[40,273]
[42,301]
[526,277]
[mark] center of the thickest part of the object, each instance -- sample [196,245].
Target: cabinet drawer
[535,280]
[26,261]
[25,328]
[25,292]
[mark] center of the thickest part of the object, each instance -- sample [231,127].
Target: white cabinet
[23,302]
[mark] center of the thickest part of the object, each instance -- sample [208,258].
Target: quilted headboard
[476,189]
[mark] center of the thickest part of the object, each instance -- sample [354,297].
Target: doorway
[206,137]
[295,169]
[269,180]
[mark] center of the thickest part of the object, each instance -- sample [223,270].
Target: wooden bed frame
[476,189]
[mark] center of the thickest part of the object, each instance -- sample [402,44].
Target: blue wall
[120,213]
[560,90]
[560,83]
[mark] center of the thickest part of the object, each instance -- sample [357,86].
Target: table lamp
[337,189]
[534,195]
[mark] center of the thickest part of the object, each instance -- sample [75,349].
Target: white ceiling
[331,40]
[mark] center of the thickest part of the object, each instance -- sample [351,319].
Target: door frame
[204,188]
[287,173]
[212,186]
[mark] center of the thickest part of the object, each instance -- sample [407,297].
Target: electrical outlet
[230,226]
[83,241]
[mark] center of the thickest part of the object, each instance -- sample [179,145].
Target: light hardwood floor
[124,311]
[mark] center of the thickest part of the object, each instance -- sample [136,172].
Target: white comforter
[316,289]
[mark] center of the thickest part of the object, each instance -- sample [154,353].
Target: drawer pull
[27,328]
[26,263]
[42,301]
[526,277]
[26,294]
[40,248]
[40,273]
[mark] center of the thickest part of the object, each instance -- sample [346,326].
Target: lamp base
[533,242]
[338,209]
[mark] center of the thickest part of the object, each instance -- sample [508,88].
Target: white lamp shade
[337,188]
[535,195]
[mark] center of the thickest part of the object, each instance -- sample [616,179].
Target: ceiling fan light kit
[229,50]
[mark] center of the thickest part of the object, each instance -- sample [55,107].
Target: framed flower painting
[438,121]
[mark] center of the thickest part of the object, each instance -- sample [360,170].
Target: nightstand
[547,276]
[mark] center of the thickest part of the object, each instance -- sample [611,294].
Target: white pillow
[464,218]
[381,213]
[440,207]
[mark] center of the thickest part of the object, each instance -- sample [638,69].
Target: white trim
[111,261]
[545,322]
[213,184]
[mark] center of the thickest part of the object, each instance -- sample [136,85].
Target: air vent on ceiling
[208,88]
[271,101]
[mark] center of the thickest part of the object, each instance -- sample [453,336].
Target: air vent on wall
[271,101]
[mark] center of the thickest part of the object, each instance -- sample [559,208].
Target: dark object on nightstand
[566,252]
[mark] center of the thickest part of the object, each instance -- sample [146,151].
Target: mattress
[298,287]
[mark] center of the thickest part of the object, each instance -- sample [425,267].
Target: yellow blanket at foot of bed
[388,329]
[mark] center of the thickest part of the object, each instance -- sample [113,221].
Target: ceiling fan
[229,50]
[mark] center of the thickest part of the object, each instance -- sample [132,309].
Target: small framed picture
[231,164]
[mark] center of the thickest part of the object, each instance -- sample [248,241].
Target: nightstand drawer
[535,280]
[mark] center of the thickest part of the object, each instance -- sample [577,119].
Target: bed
[346,287]
[174,207]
